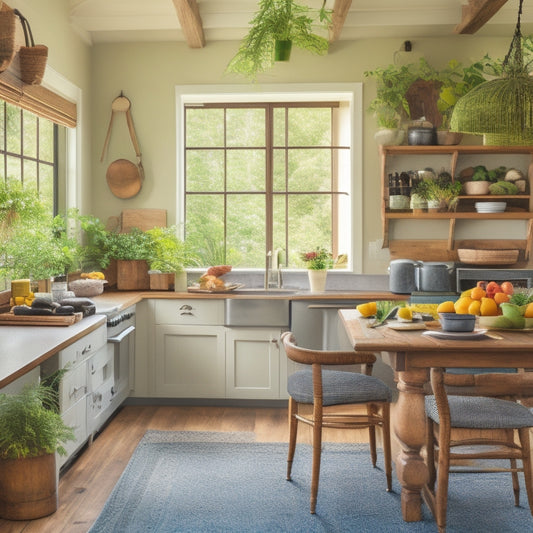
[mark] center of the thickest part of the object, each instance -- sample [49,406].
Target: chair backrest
[514,385]
[306,356]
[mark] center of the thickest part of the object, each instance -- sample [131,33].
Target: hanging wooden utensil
[124,178]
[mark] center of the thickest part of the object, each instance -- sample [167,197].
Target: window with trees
[28,152]
[262,176]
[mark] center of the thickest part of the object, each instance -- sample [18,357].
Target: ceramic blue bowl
[457,321]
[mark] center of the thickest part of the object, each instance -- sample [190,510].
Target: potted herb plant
[132,252]
[441,193]
[168,260]
[31,432]
[278,25]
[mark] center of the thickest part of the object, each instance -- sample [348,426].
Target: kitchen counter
[23,348]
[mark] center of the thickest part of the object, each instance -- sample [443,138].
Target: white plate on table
[457,335]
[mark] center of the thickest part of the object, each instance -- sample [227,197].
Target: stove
[108,389]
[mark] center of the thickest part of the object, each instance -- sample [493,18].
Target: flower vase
[317,280]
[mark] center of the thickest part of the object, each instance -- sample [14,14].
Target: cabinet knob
[186,307]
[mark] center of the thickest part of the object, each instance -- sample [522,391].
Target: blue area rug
[172,485]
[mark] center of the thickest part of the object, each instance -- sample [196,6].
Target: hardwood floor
[85,486]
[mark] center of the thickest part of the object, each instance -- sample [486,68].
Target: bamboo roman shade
[35,98]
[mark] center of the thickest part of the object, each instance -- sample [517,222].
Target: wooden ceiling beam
[190,22]
[340,11]
[476,14]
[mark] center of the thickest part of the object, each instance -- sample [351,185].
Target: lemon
[405,314]
[446,307]
[367,309]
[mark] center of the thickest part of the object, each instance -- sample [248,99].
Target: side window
[266,176]
[28,152]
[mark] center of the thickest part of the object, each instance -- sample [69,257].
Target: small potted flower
[318,262]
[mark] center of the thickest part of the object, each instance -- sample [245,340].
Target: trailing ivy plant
[279,20]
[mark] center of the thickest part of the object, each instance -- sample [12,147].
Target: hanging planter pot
[32,57]
[7,37]
[282,50]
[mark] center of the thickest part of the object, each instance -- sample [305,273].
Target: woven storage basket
[487,257]
[7,36]
[32,57]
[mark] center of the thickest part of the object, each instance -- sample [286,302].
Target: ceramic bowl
[457,321]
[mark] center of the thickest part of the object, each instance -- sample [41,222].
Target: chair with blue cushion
[478,425]
[324,388]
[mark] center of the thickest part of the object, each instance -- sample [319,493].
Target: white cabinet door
[253,363]
[189,361]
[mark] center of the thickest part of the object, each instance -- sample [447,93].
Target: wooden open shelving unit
[521,207]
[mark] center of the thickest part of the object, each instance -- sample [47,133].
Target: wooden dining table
[412,354]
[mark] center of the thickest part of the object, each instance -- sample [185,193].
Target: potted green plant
[457,80]
[169,257]
[39,251]
[31,432]
[317,261]
[441,193]
[276,26]
[132,252]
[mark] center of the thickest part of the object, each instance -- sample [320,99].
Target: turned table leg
[409,423]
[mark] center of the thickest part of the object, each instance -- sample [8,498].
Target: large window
[267,175]
[28,152]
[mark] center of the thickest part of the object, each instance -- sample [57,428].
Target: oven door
[123,347]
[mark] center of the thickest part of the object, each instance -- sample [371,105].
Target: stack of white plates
[490,207]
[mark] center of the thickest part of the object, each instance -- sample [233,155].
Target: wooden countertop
[22,348]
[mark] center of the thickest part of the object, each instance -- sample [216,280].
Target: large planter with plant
[169,256]
[31,432]
[132,252]
[278,26]
[392,105]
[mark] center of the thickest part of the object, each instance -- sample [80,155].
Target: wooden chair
[323,388]
[477,426]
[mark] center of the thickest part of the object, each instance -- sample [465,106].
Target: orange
[474,307]
[368,309]
[462,305]
[501,297]
[529,311]
[446,307]
[488,307]
[477,293]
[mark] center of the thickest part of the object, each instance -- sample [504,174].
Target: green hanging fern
[281,20]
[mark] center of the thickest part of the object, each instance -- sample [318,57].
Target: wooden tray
[9,319]
[225,288]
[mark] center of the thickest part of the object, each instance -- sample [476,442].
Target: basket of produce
[471,256]
[91,284]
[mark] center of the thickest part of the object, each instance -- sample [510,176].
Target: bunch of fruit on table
[508,305]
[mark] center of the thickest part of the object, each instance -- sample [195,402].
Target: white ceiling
[156,20]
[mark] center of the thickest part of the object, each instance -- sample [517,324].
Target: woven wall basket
[7,37]
[32,57]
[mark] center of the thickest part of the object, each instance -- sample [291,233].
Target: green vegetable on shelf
[480,174]
[503,187]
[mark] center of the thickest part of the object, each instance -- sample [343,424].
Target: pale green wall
[148,73]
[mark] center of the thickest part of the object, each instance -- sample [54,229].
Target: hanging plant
[279,21]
